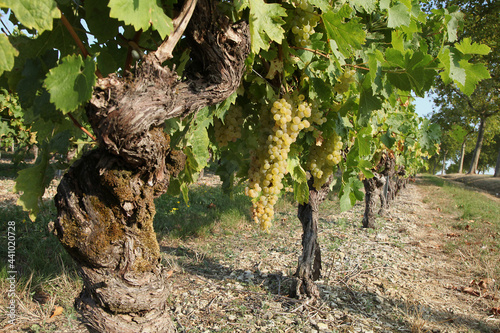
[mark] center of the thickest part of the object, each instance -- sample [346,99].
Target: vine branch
[180,23]
[77,124]
[78,41]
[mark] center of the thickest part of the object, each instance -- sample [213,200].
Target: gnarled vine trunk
[309,264]
[105,201]
[372,186]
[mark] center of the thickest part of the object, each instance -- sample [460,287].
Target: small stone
[268,315]
[231,317]
[322,327]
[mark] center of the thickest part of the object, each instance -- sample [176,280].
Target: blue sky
[423,106]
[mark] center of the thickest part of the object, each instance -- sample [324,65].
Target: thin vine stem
[78,41]
[77,124]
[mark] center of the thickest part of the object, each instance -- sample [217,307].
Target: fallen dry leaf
[452,234]
[57,311]
[496,311]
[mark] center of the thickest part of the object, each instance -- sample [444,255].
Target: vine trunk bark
[105,201]
[309,264]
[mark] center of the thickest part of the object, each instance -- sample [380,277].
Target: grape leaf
[348,36]
[474,74]
[398,15]
[199,141]
[321,4]
[452,70]
[265,24]
[466,47]
[367,104]
[301,192]
[142,14]
[7,54]
[35,14]
[71,82]
[32,182]
[350,193]
[414,74]
[296,171]
[99,21]
[368,5]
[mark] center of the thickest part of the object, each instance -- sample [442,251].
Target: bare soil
[398,278]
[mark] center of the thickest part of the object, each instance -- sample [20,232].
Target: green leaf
[452,71]
[466,47]
[322,4]
[368,5]
[474,73]
[102,26]
[141,14]
[7,54]
[398,15]
[387,139]
[71,82]
[367,104]
[350,193]
[265,24]
[35,14]
[413,74]
[185,193]
[348,36]
[32,182]
[296,171]
[301,192]
[199,141]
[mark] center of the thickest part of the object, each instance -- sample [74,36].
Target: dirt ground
[397,278]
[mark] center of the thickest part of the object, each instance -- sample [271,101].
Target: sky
[423,106]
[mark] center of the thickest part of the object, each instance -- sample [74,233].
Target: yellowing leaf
[57,311]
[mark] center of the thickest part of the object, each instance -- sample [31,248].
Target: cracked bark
[105,201]
[309,263]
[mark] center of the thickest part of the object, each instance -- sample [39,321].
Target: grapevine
[268,166]
[323,157]
[345,81]
[230,129]
[305,21]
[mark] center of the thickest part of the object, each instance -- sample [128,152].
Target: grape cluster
[230,130]
[268,165]
[345,81]
[323,157]
[304,23]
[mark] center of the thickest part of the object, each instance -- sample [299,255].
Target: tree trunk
[384,204]
[497,166]
[462,155]
[477,150]
[309,264]
[105,201]
[371,187]
[444,163]
[386,167]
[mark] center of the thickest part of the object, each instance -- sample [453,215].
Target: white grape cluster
[304,23]
[268,165]
[345,81]
[230,130]
[323,157]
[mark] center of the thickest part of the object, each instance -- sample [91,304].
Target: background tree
[481,24]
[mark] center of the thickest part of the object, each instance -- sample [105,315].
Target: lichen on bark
[105,201]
